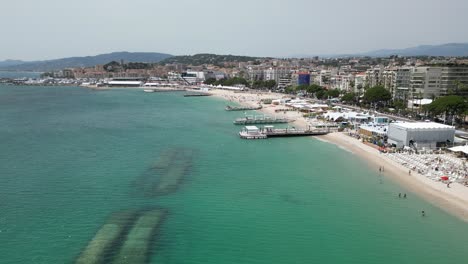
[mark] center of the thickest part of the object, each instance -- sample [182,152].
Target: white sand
[453,200]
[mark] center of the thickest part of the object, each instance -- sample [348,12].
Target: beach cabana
[463,150]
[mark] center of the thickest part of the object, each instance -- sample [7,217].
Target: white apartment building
[425,82]
[359,82]
[374,76]
[277,73]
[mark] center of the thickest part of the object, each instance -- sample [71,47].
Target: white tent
[463,149]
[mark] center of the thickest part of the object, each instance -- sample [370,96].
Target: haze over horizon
[52,29]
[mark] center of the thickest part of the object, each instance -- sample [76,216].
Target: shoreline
[453,200]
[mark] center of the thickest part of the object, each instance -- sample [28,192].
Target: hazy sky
[49,29]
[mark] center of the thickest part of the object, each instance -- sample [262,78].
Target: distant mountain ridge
[207,58]
[444,50]
[88,61]
[7,63]
[448,50]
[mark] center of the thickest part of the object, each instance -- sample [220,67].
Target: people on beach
[409,172]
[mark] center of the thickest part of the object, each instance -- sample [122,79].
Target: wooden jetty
[252,120]
[242,108]
[196,94]
[253,132]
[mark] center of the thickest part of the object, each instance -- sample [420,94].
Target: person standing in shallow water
[423,213]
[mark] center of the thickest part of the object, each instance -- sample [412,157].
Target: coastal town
[223,132]
[391,109]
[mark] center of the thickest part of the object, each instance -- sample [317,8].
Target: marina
[253,132]
[242,108]
[262,119]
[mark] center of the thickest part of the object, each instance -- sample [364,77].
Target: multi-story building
[402,83]
[342,82]
[360,82]
[277,73]
[452,76]
[255,73]
[388,79]
[425,82]
[374,76]
[303,78]
[284,82]
[325,76]
[397,81]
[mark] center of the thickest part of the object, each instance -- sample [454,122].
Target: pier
[196,94]
[252,120]
[253,132]
[161,90]
[242,108]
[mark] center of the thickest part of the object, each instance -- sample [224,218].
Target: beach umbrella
[444,178]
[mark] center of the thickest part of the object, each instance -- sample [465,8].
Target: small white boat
[148,90]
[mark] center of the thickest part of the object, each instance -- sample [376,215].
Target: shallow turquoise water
[69,158]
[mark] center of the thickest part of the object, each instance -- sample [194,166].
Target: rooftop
[422,125]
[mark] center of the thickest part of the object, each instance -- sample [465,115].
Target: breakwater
[166,174]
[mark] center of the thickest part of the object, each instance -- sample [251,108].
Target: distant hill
[88,61]
[205,58]
[7,63]
[449,50]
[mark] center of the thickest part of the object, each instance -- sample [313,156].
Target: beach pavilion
[420,134]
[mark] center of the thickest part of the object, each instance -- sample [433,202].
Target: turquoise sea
[70,157]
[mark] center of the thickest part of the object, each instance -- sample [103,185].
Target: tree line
[270,84]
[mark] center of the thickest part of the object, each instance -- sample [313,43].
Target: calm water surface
[69,158]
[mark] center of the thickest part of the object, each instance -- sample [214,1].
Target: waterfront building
[124,83]
[434,81]
[255,73]
[452,76]
[284,82]
[193,77]
[420,134]
[303,78]
[277,73]
[402,83]
[425,82]
[68,73]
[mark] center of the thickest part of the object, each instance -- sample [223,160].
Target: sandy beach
[453,200]
[253,99]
